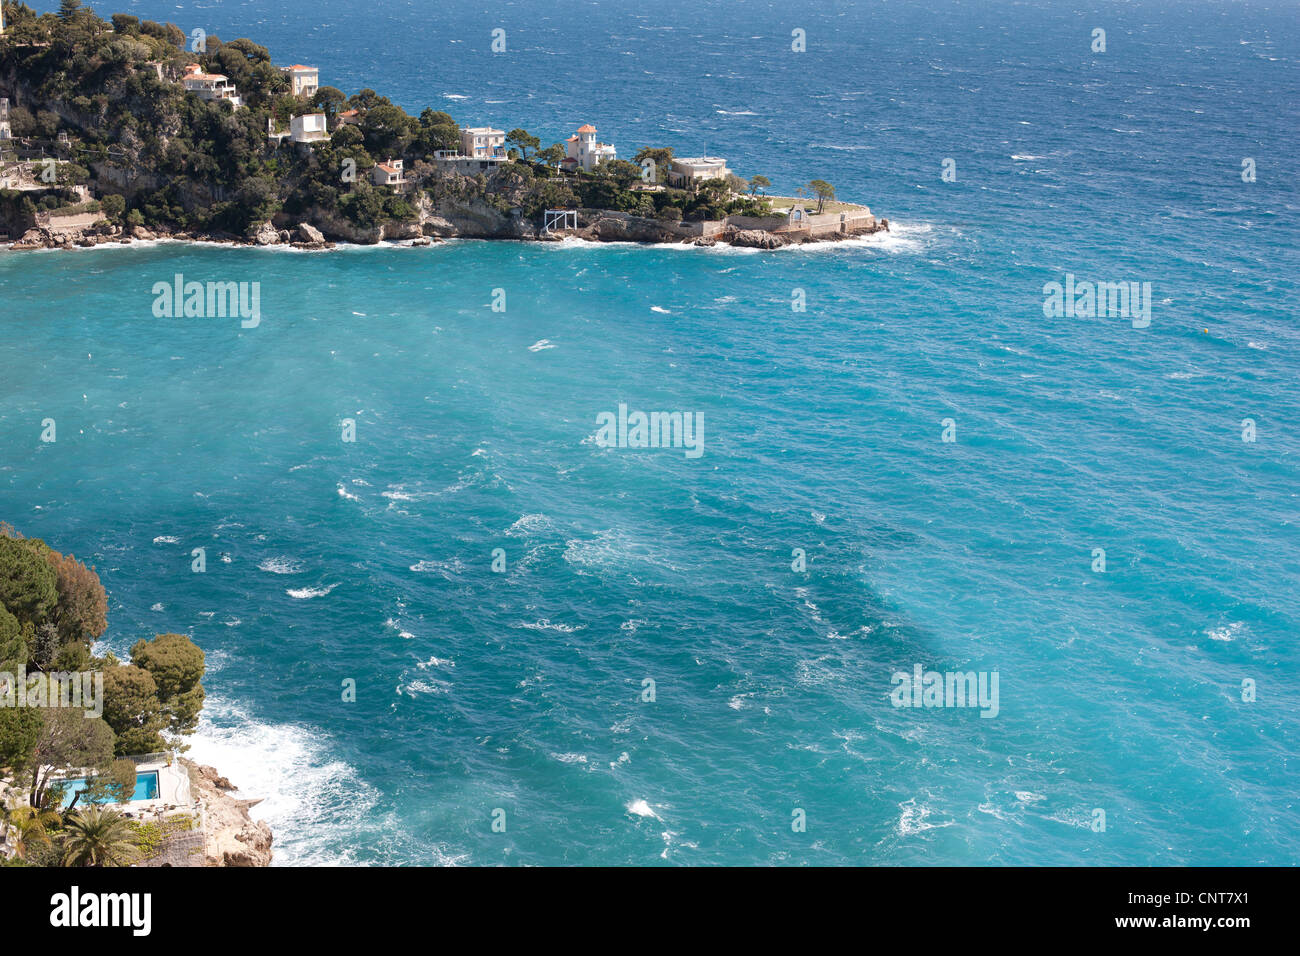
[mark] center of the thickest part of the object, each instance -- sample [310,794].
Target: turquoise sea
[522,691]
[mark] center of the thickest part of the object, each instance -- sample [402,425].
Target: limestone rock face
[309,233]
[400,230]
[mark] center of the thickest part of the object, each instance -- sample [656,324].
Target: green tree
[176,664]
[437,130]
[124,23]
[328,99]
[625,174]
[19,729]
[759,182]
[133,710]
[524,140]
[552,155]
[27,582]
[13,646]
[114,206]
[823,191]
[68,740]
[68,9]
[98,837]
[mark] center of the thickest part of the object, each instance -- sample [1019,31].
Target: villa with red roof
[388,174]
[584,152]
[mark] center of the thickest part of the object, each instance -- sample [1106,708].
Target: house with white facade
[4,118]
[210,86]
[303,80]
[691,171]
[583,152]
[483,142]
[308,128]
[388,173]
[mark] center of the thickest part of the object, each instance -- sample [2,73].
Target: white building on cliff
[584,152]
[308,128]
[211,86]
[303,80]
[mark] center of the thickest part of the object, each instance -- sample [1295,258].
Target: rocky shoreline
[431,230]
[231,836]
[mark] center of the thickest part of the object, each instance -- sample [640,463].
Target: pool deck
[174,792]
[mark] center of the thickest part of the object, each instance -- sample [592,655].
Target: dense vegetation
[52,609]
[182,163]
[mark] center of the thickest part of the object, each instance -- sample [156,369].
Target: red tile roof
[587,129]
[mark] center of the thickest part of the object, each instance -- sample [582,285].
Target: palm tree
[30,827]
[99,838]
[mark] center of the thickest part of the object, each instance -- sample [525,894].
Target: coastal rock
[33,239]
[231,836]
[474,219]
[400,230]
[309,233]
[625,228]
[140,232]
[753,239]
[266,235]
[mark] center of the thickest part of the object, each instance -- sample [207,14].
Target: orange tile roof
[587,129]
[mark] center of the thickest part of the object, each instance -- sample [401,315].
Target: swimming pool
[146,788]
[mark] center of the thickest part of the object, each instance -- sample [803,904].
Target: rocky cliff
[231,836]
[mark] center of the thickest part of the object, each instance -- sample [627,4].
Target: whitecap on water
[640,808]
[280,565]
[303,594]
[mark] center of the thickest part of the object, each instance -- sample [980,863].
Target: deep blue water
[1119,691]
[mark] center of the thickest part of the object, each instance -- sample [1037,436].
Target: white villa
[4,118]
[211,86]
[583,150]
[483,142]
[388,174]
[691,171]
[303,80]
[308,128]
